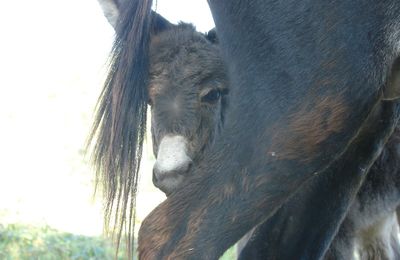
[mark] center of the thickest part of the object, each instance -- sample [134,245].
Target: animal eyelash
[212,96]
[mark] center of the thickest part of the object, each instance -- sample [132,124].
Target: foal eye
[212,96]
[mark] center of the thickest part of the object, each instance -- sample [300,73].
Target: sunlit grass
[26,242]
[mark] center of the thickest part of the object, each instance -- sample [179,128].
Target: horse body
[306,90]
[371,223]
[308,61]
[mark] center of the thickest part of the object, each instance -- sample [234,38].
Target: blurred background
[53,60]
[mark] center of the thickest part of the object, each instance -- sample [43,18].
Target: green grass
[42,243]
[25,242]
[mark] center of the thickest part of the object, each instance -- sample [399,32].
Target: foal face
[187,95]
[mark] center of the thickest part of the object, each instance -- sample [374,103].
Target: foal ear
[111,10]
[159,23]
[211,35]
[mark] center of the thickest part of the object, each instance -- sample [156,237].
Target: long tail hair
[118,130]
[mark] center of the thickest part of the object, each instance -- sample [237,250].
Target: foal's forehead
[181,60]
[182,45]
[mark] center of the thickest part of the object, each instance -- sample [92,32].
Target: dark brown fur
[273,57]
[308,128]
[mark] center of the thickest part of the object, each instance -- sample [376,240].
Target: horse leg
[285,236]
[305,225]
[379,241]
[370,230]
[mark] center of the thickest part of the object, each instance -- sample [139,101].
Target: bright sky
[52,56]
[193,11]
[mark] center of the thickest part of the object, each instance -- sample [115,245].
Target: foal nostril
[160,174]
[184,170]
[169,181]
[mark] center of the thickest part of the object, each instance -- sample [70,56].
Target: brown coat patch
[154,233]
[308,128]
[185,246]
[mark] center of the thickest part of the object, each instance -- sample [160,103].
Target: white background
[52,65]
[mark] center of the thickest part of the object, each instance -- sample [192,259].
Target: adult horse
[319,76]
[188,96]
[188,87]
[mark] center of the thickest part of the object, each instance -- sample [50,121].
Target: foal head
[187,95]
